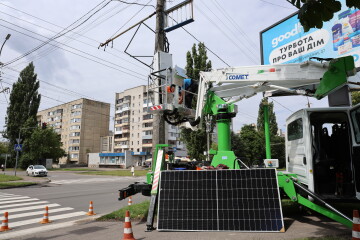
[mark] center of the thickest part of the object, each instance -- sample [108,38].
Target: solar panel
[220,200]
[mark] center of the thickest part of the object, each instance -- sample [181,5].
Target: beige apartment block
[134,125]
[81,124]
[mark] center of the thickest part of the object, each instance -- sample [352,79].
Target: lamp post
[6,38]
[18,140]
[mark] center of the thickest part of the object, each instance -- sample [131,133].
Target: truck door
[355,121]
[296,150]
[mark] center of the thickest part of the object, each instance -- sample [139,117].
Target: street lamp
[6,38]
[17,151]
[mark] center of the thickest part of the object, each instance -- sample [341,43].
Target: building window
[75,120]
[74,134]
[76,106]
[75,127]
[74,155]
[74,148]
[76,113]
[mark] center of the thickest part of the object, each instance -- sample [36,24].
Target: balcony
[146,105]
[124,138]
[147,145]
[124,146]
[127,130]
[118,132]
[172,138]
[147,136]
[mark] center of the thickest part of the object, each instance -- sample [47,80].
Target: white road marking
[12,198]
[15,234]
[29,208]
[7,194]
[22,204]
[87,180]
[23,200]
[39,213]
[37,220]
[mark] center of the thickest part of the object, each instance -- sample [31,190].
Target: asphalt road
[75,191]
[69,191]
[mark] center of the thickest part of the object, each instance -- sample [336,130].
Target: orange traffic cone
[91,210]
[4,225]
[46,216]
[128,234]
[130,201]
[356,226]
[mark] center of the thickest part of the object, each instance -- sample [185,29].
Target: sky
[72,66]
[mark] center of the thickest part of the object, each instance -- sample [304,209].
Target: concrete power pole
[159,122]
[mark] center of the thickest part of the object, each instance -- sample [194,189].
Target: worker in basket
[190,87]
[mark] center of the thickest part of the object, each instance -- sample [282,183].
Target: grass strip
[73,169]
[138,212]
[7,178]
[15,184]
[116,173]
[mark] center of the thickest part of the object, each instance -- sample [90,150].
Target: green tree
[253,145]
[197,61]
[42,144]
[23,107]
[277,142]
[237,145]
[272,118]
[355,98]
[313,13]
[195,141]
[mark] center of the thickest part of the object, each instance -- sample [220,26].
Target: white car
[36,170]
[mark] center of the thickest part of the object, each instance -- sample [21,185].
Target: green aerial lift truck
[219,90]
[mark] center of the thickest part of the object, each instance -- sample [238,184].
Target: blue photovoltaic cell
[220,200]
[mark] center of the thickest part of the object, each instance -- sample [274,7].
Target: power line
[77,53]
[70,38]
[282,105]
[230,30]
[276,5]
[128,20]
[62,88]
[75,33]
[42,95]
[230,39]
[236,25]
[145,5]
[61,33]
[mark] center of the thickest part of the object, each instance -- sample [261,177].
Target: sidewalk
[302,227]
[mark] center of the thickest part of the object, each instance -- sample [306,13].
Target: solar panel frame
[208,201]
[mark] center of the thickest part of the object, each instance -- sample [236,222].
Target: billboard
[286,41]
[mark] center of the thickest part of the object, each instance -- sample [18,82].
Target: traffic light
[44,125]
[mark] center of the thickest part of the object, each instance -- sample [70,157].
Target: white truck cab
[323,149]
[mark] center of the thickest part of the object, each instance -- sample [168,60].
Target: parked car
[36,170]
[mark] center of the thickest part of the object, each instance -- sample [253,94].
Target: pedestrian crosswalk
[90,180]
[25,211]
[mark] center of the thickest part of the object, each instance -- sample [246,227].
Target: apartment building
[134,125]
[81,124]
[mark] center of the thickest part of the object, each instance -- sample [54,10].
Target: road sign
[174,149]
[18,147]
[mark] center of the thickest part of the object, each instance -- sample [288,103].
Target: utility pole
[159,122]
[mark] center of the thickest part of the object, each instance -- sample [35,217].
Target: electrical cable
[281,105]
[78,54]
[117,31]
[227,36]
[145,5]
[236,25]
[61,33]
[97,42]
[278,5]
[232,32]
